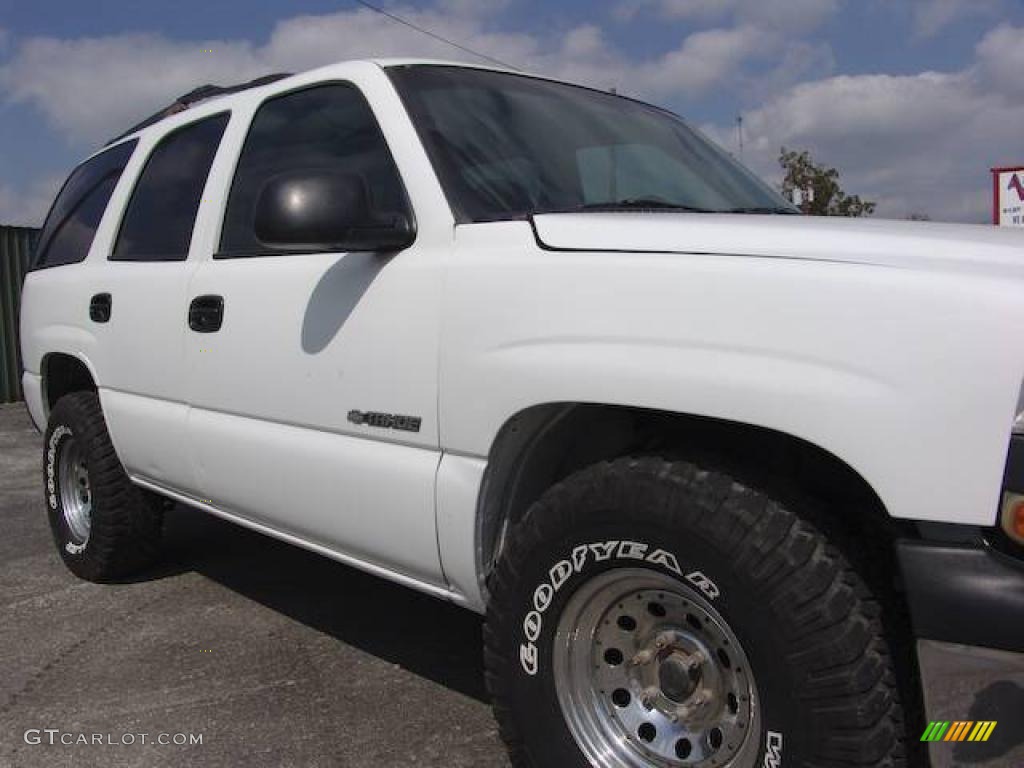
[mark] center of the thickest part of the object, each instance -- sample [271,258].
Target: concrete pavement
[274,655]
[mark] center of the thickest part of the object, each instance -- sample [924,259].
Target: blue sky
[912,99]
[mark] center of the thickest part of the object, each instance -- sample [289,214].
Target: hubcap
[649,674]
[75,490]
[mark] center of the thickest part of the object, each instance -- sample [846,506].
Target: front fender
[909,378]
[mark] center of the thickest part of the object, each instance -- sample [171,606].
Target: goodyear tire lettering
[598,551]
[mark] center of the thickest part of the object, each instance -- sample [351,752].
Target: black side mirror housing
[326,211]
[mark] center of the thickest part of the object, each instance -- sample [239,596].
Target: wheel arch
[542,444]
[63,373]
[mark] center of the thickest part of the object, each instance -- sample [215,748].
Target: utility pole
[739,133]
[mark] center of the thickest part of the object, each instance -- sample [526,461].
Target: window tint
[162,211]
[508,146]
[619,171]
[329,127]
[71,224]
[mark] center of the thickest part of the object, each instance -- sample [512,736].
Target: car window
[508,146]
[623,171]
[327,127]
[158,223]
[71,224]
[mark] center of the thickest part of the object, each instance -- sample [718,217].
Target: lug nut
[648,697]
[642,657]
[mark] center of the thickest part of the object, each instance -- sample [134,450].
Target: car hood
[975,249]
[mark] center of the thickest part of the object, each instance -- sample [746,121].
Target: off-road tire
[809,625]
[126,521]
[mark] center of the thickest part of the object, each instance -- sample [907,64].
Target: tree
[817,187]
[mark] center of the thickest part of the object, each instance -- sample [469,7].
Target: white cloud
[1001,60]
[917,143]
[932,16]
[799,61]
[28,207]
[792,17]
[769,32]
[701,60]
[93,88]
[473,7]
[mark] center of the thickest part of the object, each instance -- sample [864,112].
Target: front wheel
[652,613]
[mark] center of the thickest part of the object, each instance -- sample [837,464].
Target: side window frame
[218,252]
[139,173]
[111,204]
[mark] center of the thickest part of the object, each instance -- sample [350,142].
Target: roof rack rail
[196,95]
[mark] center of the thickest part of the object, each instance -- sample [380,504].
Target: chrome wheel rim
[648,673]
[75,490]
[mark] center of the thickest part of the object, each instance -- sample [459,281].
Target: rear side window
[71,224]
[324,127]
[158,222]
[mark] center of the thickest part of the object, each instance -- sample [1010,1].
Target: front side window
[71,224]
[323,128]
[158,222]
[507,146]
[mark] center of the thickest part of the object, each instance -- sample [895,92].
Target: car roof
[210,99]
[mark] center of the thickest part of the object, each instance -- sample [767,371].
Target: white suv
[709,467]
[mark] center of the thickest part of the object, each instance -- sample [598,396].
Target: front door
[297,360]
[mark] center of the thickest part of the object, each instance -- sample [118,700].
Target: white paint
[904,366]
[305,543]
[32,391]
[893,346]
[459,480]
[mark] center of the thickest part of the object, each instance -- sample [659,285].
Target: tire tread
[837,634]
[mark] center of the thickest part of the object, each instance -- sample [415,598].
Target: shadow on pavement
[430,638]
[1003,702]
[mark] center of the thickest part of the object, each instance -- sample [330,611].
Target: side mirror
[326,211]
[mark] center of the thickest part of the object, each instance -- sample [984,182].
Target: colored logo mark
[1017,185]
[959,730]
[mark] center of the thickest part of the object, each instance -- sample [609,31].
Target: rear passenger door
[307,344]
[137,305]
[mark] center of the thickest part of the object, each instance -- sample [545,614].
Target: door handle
[99,307]
[206,313]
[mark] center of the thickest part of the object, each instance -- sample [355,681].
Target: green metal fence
[15,246]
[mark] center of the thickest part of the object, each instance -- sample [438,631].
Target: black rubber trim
[1013,477]
[968,594]
[545,246]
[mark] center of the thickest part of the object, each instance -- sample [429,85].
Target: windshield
[506,146]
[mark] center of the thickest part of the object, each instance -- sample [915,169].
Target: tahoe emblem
[385,420]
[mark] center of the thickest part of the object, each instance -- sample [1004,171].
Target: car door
[136,302]
[299,362]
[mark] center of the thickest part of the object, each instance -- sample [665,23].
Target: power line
[436,36]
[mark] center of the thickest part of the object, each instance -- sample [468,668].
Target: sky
[912,100]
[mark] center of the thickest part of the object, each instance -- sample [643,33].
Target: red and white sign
[1008,197]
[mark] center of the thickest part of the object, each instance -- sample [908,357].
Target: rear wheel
[104,526]
[652,613]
